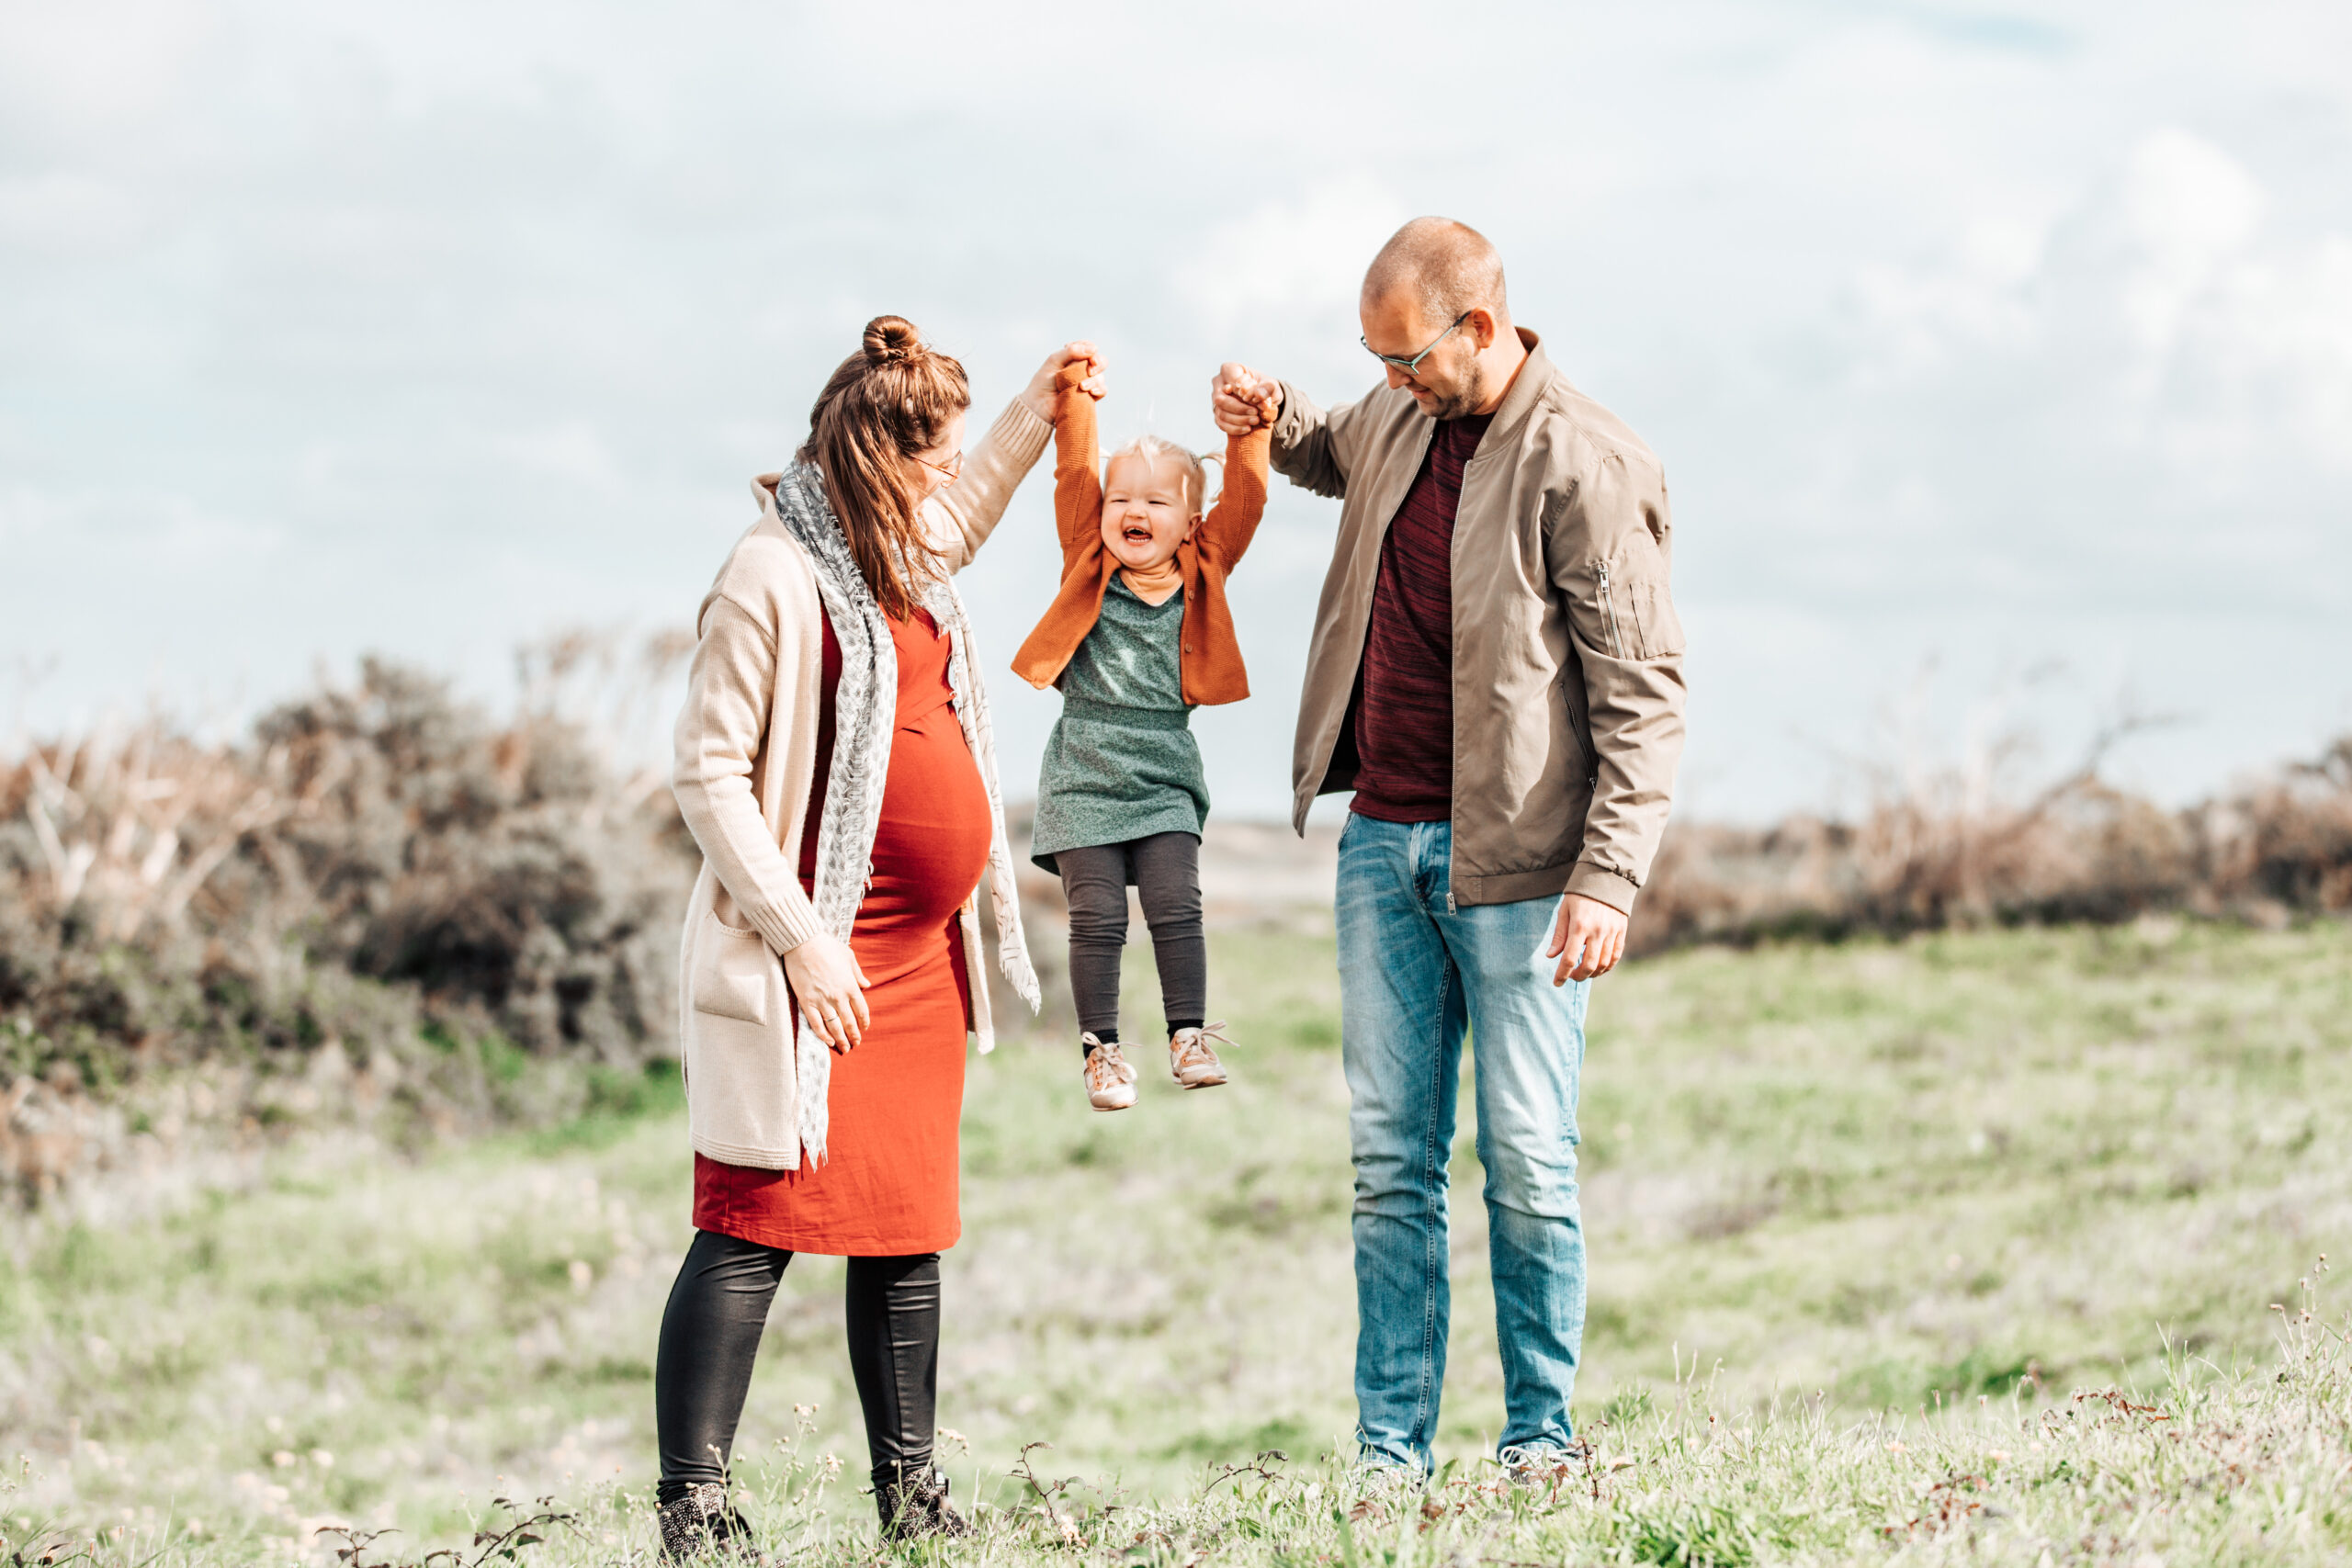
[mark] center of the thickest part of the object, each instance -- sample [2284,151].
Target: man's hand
[1240,399]
[831,988]
[1039,393]
[1588,938]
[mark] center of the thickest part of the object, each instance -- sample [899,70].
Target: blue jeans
[1414,978]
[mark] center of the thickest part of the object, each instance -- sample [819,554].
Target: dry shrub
[503,868]
[2285,842]
[378,870]
[1945,848]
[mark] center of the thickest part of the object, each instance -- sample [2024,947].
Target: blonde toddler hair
[1151,449]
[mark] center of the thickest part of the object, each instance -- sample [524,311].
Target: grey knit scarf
[864,717]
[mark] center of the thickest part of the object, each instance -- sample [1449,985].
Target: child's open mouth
[1136,536]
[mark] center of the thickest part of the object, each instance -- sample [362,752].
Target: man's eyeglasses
[953,467]
[1409,366]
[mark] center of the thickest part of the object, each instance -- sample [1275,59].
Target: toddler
[1138,636]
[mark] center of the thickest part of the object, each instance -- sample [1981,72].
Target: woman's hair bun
[889,339]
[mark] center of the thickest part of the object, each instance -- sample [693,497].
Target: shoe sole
[1124,1105]
[1204,1083]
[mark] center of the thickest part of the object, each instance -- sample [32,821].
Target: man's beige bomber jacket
[1567,656]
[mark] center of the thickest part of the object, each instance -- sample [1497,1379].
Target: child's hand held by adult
[825,975]
[1240,399]
[1039,394]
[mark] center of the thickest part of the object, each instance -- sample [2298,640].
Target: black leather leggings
[710,1335]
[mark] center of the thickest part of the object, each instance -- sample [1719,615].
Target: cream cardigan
[746,752]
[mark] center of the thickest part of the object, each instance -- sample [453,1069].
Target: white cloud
[92,68]
[2187,211]
[2167,319]
[67,213]
[567,455]
[141,528]
[1305,255]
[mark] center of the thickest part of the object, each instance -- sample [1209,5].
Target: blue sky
[2001,361]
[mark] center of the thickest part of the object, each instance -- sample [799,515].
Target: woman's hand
[1039,393]
[831,988]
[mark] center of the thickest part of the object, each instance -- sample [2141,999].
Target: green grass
[1839,1199]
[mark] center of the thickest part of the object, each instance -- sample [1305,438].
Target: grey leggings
[1166,871]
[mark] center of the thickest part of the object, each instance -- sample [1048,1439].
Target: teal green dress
[1121,762]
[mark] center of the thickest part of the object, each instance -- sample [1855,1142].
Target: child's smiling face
[1146,510]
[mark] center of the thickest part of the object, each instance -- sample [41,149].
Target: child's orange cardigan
[1211,657]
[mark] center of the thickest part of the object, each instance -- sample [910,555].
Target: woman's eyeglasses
[1410,366]
[953,467]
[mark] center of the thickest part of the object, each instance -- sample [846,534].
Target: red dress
[887,1185]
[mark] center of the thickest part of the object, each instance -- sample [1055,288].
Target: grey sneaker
[701,1521]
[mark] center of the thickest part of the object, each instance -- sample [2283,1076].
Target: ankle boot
[701,1521]
[913,1504]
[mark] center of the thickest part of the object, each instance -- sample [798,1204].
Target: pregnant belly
[930,846]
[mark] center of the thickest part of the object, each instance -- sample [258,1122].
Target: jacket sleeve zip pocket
[1609,613]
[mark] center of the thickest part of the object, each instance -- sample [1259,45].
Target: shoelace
[1200,1041]
[1105,1067]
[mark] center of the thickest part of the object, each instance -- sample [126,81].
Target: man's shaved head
[1444,266]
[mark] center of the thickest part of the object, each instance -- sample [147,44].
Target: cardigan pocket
[741,1106]
[735,975]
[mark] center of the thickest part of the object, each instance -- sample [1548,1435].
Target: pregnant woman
[836,766]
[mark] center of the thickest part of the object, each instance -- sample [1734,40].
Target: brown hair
[888,402]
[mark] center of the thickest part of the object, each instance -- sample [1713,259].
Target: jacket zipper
[1573,697]
[1609,615]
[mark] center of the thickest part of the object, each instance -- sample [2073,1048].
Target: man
[1496,673]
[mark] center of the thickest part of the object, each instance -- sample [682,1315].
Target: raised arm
[1078,463]
[1309,445]
[1232,523]
[961,517]
[1306,448]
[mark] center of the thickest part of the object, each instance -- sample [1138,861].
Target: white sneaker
[1543,1467]
[1194,1060]
[1109,1077]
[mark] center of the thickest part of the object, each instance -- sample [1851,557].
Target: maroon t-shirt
[1403,699]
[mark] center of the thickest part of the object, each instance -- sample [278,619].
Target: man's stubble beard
[1468,400]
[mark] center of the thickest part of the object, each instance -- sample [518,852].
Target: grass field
[1895,1204]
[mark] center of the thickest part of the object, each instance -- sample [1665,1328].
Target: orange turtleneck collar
[1154,588]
